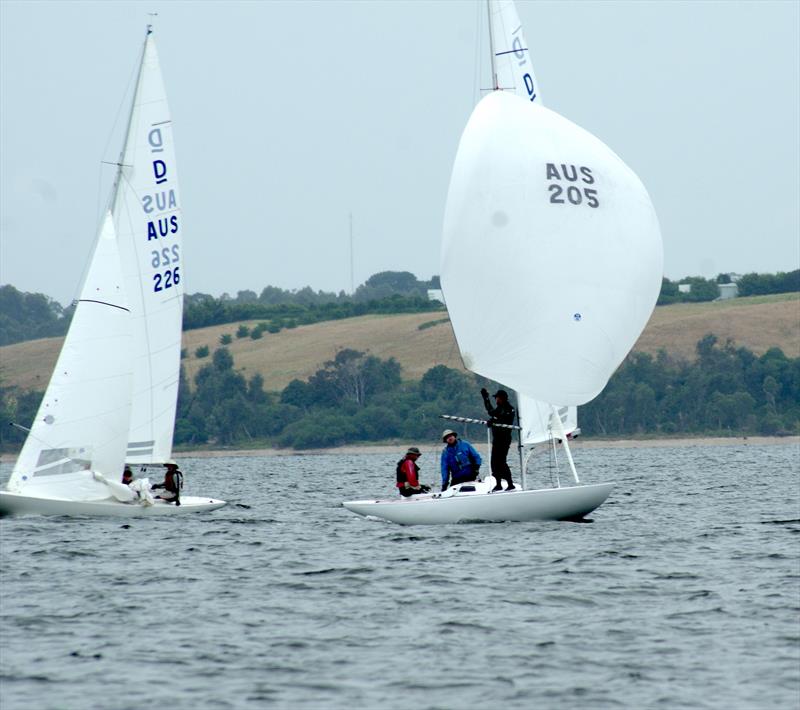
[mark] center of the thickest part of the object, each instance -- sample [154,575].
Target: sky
[290,116]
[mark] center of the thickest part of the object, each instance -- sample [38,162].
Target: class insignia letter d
[155,139]
[160,171]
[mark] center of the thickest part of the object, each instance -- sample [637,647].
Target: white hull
[16,504]
[462,507]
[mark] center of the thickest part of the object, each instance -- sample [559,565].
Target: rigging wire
[98,207]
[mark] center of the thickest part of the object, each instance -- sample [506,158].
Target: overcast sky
[288,116]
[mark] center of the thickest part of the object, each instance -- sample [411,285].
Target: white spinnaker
[536,419]
[512,63]
[568,229]
[147,216]
[82,422]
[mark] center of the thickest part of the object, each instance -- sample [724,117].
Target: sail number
[167,256]
[167,279]
[560,194]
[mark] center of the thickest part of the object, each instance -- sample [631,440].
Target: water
[683,593]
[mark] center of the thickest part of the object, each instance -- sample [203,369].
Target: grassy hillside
[758,323]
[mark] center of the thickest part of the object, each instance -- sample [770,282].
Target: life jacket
[401,474]
[173,481]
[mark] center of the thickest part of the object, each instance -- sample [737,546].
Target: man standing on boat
[460,461]
[501,413]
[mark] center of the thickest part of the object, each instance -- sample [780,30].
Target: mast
[352,280]
[522,465]
[495,85]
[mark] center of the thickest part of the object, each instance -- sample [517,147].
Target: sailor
[127,476]
[172,484]
[501,413]
[460,461]
[408,474]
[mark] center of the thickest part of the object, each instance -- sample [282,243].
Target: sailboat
[112,397]
[547,207]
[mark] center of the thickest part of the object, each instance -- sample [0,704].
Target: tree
[353,376]
[390,283]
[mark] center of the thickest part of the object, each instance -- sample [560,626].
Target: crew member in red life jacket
[172,484]
[408,474]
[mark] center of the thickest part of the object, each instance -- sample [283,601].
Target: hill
[419,341]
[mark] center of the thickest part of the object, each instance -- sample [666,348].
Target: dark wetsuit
[501,439]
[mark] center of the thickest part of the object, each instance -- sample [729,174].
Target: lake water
[684,592]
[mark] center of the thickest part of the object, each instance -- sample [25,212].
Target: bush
[225,339]
[242,331]
[201,352]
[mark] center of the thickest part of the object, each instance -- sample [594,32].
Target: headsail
[147,216]
[82,422]
[511,62]
[538,202]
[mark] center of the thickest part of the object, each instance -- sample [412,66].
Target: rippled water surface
[683,592]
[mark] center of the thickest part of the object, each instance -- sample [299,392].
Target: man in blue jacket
[460,461]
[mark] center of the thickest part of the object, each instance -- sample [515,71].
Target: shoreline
[576,445]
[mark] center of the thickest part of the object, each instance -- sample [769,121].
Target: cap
[413,450]
[501,393]
[447,433]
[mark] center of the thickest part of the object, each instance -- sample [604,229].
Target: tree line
[703,289]
[27,316]
[357,397]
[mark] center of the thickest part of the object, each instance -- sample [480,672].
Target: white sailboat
[113,394]
[572,232]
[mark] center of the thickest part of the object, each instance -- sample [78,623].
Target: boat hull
[16,504]
[569,503]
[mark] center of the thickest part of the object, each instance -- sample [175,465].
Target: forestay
[147,216]
[82,422]
[547,209]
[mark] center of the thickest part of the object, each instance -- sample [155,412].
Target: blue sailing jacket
[459,460]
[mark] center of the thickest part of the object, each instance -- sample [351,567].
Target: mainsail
[145,204]
[82,422]
[540,203]
[538,425]
[512,69]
